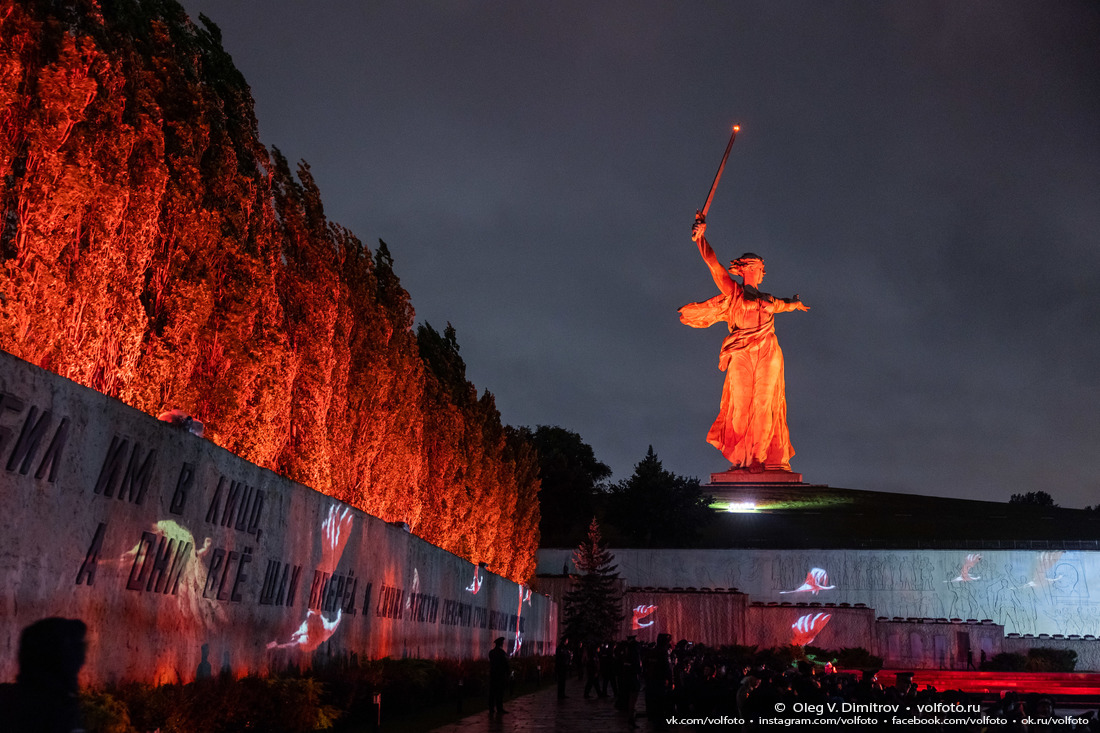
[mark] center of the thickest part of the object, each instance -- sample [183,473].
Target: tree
[1034,498]
[592,612]
[153,249]
[571,479]
[657,508]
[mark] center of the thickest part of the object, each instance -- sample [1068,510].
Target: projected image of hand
[640,613]
[1042,570]
[334,536]
[313,632]
[807,627]
[475,586]
[816,581]
[414,589]
[315,629]
[968,564]
[524,595]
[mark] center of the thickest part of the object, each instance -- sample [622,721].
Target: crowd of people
[686,681]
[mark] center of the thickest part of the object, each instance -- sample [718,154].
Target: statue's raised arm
[751,427]
[721,278]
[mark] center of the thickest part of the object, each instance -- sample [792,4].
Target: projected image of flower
[807,627]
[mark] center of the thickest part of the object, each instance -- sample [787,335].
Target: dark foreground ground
[542,711]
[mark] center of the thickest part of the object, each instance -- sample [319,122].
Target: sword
[701,215]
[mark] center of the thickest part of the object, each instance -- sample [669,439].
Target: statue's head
[750,266]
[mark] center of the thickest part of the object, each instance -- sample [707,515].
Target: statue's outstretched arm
[784,305]
[721,278]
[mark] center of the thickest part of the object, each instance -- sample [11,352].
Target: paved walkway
[542,712]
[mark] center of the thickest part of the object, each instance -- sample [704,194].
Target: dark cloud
[925,175]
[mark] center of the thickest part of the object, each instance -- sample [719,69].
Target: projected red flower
[807,627]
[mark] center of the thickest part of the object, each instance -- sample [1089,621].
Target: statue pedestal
[744,476]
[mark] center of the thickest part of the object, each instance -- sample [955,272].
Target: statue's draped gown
[751,427]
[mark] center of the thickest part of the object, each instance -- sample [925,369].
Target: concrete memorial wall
[829,628]
[1087,651]
[728,617]
[1028,592]
[182,557]
[926,644]
[706,618]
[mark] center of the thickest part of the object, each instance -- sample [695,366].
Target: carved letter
[162,559]
[183,554]
[254,515]
[281,598]
[183,487]
[295,578]
[217,558]
[349,609]
[270,585]
[231,502]
[53,453]
[215,503]
[242,511]
[112,464]
[141,561]
[223,595]
[136,480]
[29,438]
[87,568]
[241,575]
[14,404]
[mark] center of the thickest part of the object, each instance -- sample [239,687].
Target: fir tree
[657,508]
[592,607]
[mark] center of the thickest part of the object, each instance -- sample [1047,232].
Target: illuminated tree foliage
[153,249]
[474,461]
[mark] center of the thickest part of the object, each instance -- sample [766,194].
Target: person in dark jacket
[498,676]
[45,696]
[561,666]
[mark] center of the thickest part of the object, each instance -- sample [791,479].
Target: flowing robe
[751,427]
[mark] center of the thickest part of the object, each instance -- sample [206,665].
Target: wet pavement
[542,711]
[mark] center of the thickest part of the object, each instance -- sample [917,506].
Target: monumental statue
[751,427]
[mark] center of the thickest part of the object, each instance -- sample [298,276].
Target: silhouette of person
[204,670]
[562,658]
[44,698]
[498,676]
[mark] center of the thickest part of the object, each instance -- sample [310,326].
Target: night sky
[926,175]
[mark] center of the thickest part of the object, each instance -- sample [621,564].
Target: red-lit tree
[153,249]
